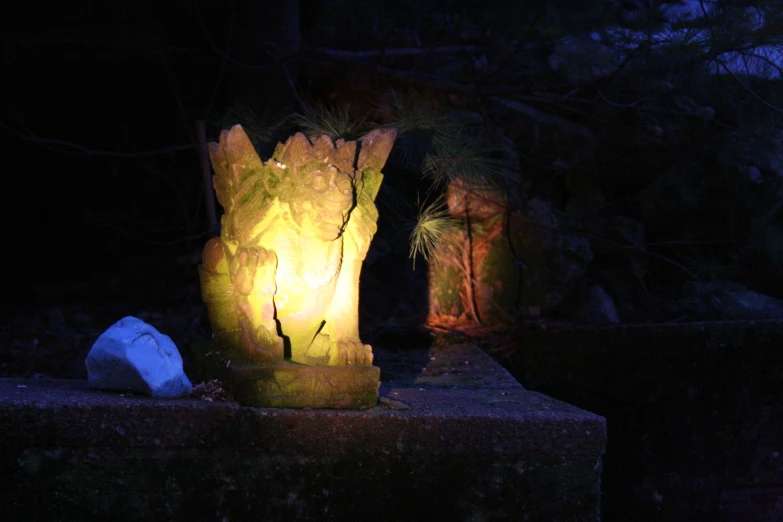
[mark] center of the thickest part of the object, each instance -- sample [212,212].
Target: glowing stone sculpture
[281,283]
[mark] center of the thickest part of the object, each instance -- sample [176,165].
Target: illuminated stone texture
[289,385]
[281,283]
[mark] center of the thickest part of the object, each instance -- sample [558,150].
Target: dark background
[104,195]
[92,90]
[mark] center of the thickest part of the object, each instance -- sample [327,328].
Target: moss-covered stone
[289,385]
[523,263]
[286,384]
[446,287]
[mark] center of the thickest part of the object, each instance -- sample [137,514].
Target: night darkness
[98,120]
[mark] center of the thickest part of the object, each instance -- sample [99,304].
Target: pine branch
[336,122]
[430,231]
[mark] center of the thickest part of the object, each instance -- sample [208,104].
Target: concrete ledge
[694,410]
[432,450]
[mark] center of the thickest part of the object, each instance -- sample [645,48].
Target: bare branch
[691,242]
[404,51]
[421,79]
[745,86]
[618,105]
[548,118]
[177,98]
[425,80]
[93,152]
[239,63]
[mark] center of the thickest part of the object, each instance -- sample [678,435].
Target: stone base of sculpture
[290,385]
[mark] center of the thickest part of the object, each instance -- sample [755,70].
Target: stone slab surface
[454,437]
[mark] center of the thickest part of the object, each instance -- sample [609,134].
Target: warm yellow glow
[285,272]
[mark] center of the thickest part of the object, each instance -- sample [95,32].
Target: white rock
[131,355]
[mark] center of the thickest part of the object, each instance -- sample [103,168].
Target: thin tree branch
[133,234]
[558,230]
[177,98]
[618,105]
[751,91]
[691,242]
[559,98]
[518,47]
[246,65]
[403,51]
[425,80]
[421,79]
[94,152]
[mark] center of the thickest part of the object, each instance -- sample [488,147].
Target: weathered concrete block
[453,438]
[695,413]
